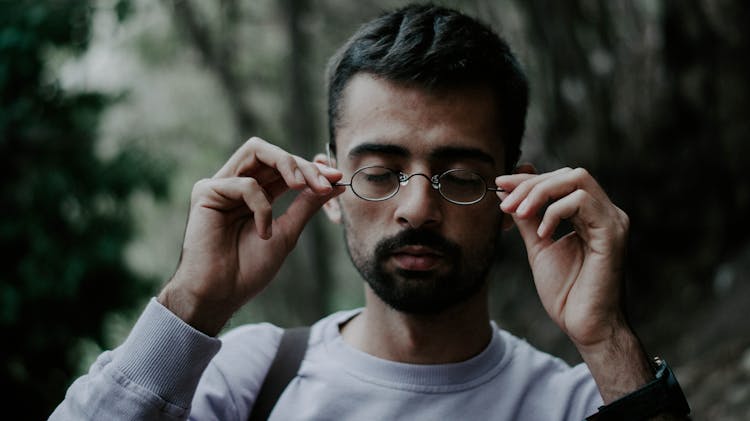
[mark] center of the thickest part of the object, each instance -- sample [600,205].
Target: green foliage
[65,219]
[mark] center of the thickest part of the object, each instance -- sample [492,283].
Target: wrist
[207,318]
[619,364]
[608,339]
[661,398]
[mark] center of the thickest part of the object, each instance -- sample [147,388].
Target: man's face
[418,252]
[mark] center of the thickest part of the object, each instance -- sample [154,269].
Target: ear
[332,208]
[525,168]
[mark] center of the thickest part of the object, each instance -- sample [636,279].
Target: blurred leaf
[66,220]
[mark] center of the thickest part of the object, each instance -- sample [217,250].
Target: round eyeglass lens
[375,183]
[462,186]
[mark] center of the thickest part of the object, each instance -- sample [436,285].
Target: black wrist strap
[660,396]
[284,367]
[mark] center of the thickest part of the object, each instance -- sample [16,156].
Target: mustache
[416,237]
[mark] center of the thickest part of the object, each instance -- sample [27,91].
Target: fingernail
[298,176]
[522,207]
[503,203]
[540,231]
[323,167]
[324,181]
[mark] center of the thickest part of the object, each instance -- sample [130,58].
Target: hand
[578,276]
[233,247]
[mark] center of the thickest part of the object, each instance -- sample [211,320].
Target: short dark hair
[435,48]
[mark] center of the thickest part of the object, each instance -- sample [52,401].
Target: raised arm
[579,277]
[233,248]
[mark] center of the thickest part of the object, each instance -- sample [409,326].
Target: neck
[453,335]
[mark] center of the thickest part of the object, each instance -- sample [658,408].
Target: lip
[417,258]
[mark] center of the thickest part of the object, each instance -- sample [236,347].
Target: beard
[423,292]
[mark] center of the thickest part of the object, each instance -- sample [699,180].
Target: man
[426,112]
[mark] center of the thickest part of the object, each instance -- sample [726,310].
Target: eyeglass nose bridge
[403,179]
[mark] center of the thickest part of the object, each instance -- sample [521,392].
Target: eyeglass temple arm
[495,189]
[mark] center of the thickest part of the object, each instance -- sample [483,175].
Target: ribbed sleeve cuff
[165,355]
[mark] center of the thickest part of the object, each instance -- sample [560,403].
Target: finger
[520,191]
[600,225]
[304,206]
[333,175]
[510,181]
[314,176]
[327,169]
[534,193]
[507,183]
[521,170]
[230,193]
[565,208]
[554,188]
[285,163]
[263,161]
[581,178]
[244,154]
[320,177]
[279,187]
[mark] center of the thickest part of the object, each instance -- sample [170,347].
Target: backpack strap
[284,367]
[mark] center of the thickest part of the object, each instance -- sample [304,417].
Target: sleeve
[230,384]
[153,375]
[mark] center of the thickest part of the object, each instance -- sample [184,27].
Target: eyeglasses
[459,186]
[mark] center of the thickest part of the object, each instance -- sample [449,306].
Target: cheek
[362,213]
[363,221]
[474,226]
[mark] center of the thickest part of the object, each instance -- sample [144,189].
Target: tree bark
[217,57]
[303,134]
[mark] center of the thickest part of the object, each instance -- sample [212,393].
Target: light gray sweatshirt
[166,370]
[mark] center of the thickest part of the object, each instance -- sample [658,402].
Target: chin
[423,293]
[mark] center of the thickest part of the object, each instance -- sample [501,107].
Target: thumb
[304,206]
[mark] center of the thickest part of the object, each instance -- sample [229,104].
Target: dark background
[110,110]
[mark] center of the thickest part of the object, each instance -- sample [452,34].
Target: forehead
[378,111]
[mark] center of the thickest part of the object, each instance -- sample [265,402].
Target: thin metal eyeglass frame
[404,178]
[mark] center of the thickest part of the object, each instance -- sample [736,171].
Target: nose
[418,204]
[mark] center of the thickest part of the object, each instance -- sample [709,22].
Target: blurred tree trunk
[303,133]
[652,99]
[67,216]
[217,45]
[217,49]
[218,52]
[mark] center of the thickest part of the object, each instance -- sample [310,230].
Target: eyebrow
[440,154]
[378,149]
[458,153]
